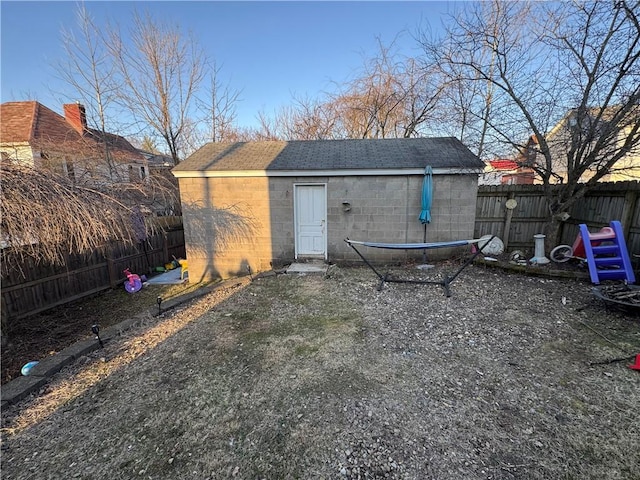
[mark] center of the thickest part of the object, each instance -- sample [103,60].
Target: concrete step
[307,267]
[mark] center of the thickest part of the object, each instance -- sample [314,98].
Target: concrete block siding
[389,213]
[232,223]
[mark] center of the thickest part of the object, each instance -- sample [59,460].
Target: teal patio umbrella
[427,198]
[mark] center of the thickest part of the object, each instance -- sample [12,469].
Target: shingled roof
[32,123]
[28,122]
[331,155]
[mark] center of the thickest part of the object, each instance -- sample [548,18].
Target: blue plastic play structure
[607,259]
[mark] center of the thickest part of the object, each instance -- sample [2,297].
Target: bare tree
[88,69]
[391,96]
[216,108]
[270,128]
[305,119]
[148,144]
[454,116]
[220,107]
[161,70]
[423,94]
[573,64]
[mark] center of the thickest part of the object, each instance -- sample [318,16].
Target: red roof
[504,164]
[27,122]
[33,123]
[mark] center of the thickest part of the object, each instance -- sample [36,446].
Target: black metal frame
[444,283]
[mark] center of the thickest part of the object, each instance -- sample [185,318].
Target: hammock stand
[444,283]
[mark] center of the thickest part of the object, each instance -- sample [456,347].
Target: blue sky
[269,50]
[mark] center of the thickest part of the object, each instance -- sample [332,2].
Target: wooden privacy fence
[516,227]
[29,288]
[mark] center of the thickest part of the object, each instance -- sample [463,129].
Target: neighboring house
[596,123]
[259,205]
[160,168]
[158,162]
[505,171]
[35,135]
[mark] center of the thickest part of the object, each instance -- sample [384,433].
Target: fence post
[507,222]
[165,246]
[628,211]
[111,268]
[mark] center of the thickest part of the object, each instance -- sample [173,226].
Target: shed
[261,205]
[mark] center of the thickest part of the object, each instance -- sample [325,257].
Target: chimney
[74,114]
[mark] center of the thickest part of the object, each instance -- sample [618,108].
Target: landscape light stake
[159,301]
[96,330]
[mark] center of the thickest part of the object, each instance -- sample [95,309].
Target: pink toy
[133,282]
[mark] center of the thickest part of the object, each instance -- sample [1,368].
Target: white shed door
[311,219]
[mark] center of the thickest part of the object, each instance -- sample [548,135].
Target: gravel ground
[512,377]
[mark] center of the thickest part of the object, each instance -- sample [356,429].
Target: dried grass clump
[45,216]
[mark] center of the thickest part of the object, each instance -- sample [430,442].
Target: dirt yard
[512,377]
[41,335]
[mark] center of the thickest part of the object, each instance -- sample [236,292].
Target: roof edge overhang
[321,173]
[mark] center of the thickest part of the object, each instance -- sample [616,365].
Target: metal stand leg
[445,283]
[469,261]
[382,278]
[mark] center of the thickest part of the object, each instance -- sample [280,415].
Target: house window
[136,173]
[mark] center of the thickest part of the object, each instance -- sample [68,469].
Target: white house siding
[18,152]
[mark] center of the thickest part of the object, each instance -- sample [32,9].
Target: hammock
[444,283]
[413,246]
